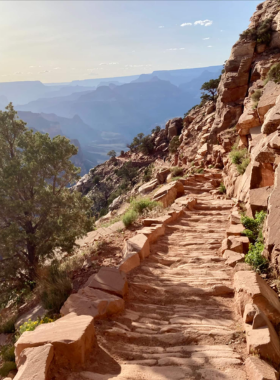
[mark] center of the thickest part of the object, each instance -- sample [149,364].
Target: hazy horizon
[56,42]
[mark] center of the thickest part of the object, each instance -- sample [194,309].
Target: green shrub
[145,203]
[261,34]
[7,353]
[55,287]
[176,171]
[7,367]
[255,259]
[200,171]
[148,173]
[8,326]
[256,95]
[174,144]
[31,325]
[127,172]
[253,226]
[253,231]
[222,188]
[243,166]
[240,158]
[274,73]
[129,217]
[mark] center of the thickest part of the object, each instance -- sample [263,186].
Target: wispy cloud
[173,49]
[207,38]
[109,63]
[32,67]
[18,73]
[203,22]
[57,68]
[138,65]
[210,46]
[186,24]
[161,26]
[43,72]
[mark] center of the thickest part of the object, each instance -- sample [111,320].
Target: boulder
[233,258]
[251,288]
[263,341]
[148,187]
[235,217]
[235,230]
[249,313]
[203,150]
[169,192]
[164,219]
[162,175]
[272,119]
[34,363]
[72,338]
[80,305]
[152,233]
[238,244]
[130,261]
[92,302]
[268,99]
[273,219]
[258,369]
[139,244]
[111,280]
[174,127]
[258,199]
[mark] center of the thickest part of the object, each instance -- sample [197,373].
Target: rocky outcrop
[168,193]
[72,338]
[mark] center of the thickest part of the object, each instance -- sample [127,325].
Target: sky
[61,41]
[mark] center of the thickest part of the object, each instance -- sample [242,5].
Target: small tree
[38,213]
[112,153]
[209,90]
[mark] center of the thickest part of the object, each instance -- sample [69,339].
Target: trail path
[175,326]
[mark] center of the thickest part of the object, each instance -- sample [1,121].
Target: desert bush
[129,217]
[7,353]
[241,168]
[261,34]
[148,173]
[176,171]
[253,226]
[156,130]
[240,158]
[8,326]
[127,172]
[253,230]
[256,95]
[274,73]
[31,325]
[55,287]
[255,259]
[7,367]
[145,203]
[222,188]
[174,144]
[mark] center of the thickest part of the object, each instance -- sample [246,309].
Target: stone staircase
[179,321]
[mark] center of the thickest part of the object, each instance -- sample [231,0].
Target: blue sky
[60,41]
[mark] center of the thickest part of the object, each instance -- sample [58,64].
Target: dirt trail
[174,327]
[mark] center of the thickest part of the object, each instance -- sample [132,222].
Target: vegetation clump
[112,153]
[261,34]
[7,367]
[38,212]
[222,188]
[274,73]
[176,171]
[255,98]
[142,143]
[55,287]
[137,207]
[174,144]
[31,325]
[240,158]
[253,230]
[210,90]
